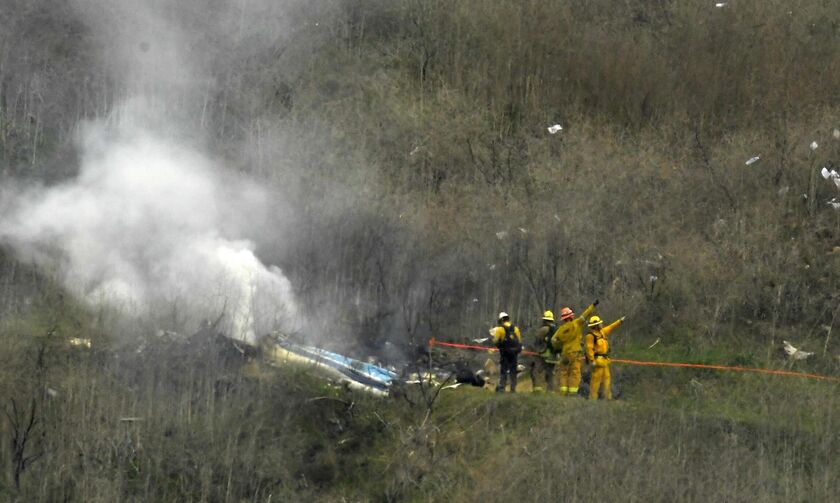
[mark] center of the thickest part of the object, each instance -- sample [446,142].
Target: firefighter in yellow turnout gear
[547,356]
[567,340]
[597,354]
[508,340]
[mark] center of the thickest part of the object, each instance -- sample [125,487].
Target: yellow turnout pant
[600,378]
[570,373]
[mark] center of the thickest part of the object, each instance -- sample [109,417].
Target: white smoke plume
[150,224]
[147,225]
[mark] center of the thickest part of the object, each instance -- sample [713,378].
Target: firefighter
[567,340]
[507,338]
[547,357]
[597,354]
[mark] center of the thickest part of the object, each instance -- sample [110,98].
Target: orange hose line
[787,373]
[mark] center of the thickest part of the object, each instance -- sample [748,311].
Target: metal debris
[80,342]
[753,160]
[794,353]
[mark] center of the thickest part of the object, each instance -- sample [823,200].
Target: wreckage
[355,373]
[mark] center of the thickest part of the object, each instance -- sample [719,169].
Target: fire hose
[787,373]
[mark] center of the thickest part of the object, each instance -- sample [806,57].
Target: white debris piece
[492,267]
[836,134]
[523,230]
[483,339]
[752,160]
[794,353]
[452,386]
[784,190]
[557,217]
[501,234]
[80,342]
[475,300]
[834,203]
[653,278]
[555,129]
[814,145]
[720,4]
[832,175]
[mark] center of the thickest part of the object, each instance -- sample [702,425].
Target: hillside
[365,176]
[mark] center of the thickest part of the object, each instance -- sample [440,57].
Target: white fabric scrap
[555,129]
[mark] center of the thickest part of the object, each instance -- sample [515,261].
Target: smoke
[150,224]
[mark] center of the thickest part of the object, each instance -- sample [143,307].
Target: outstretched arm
[612,326]
[588,311]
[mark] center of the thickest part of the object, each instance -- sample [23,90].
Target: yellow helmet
[594,321]
[548,315]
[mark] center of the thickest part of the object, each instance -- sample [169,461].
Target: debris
[492,267]
[130,419]
[481,341]
[467,376]
[452,386]
[353,373]
[52,393]
[696,383]
[501,234]
[475,300]
[555,129]
[832,175]
[79,342]
[794,353]
[834,203]
[836,134]
[557,217]
[720,4]
[814,145]
[653,278]
[654,343]
[752,160]
[784,190]
[523,230]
